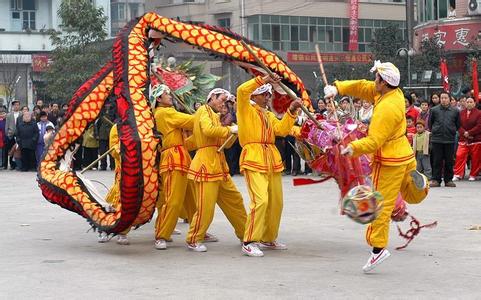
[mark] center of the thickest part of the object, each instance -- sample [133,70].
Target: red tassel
[306,181]
[413,231]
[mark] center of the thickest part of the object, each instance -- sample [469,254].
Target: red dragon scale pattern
[127,76]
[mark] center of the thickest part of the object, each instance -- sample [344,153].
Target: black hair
[408,98]
[424,101]
[409,118]
[446,93]
[43,114]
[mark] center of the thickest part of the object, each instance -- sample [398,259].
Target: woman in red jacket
[469,141]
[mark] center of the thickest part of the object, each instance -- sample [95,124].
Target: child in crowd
[421,149]
[410,129]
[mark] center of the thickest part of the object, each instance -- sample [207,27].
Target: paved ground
[47,252]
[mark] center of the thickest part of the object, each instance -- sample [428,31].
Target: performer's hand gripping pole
[282,85]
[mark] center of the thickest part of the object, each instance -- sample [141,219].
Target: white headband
[388,72]
[218,91]
[263,89]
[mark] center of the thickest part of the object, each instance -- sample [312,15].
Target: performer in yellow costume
[210,173]
[261,162]
[174,165]
[394,165]
[113,195]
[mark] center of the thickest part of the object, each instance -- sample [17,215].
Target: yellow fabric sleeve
[363,89]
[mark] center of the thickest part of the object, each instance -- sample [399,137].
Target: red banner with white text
[444,73]
[354,26]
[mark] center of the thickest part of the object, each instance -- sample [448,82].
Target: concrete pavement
[48,253]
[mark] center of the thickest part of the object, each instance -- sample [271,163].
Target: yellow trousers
[265,191]
[389,181]
[226,195]
[177,194]
[113,195]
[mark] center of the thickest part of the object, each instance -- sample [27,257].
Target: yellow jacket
[386,137]
[209,135]
[169,122]
[258,129]
[114,142]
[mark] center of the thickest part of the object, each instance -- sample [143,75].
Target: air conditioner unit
[474,7]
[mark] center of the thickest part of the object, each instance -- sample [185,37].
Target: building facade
[122,11]
[290,28]
[456,26]
[24,44]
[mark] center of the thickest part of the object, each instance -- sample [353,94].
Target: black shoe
[103,169]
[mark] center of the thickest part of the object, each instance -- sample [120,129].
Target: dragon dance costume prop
[127,78]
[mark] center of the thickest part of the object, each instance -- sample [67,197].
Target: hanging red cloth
[444,73]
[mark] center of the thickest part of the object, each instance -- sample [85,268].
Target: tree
[428,57]
[80,49]
[386,43]
[385,47]
[10,70]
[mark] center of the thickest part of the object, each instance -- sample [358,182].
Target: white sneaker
[160,244]
[273,246]
[375,260]
[197,247]
[420,180]
[103,237]
[472,178]
[210,238]
[456,178]
[252,249]
[122,239]
[176,232]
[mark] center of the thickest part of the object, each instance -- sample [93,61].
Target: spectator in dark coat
[104,124]
[445,122]
[54,114]
[27,136]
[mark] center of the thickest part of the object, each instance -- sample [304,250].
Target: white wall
[5,14]
[44,18]
[25,42]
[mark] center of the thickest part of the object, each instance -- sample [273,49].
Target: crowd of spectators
[445,133]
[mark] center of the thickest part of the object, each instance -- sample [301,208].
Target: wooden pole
[97,160]
[229,139]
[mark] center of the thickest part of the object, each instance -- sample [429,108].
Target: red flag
[475,80]
[444,73]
